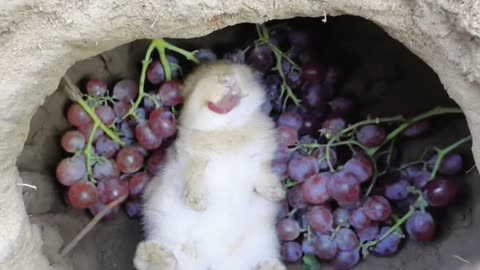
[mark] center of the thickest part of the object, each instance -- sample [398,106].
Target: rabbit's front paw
[270,265]
[152,256]
[195,198]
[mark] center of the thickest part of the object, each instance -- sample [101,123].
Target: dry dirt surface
[41,39]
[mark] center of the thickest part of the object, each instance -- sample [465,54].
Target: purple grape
[105,168]
[377,208]
[261,58]
[418,177]
[325,247]
[334,124]
[106,147]
[451,164]
[397,190]
[417,129]
[370,233]
[421,227]
[312,73]
[295,198]
[359,219]
[320,219]
[341,106]
[315,189]
[389,245]
[133,207]
[321,156]
[440,192]
[344,188]
[288,229]
[125,90]
[298,39]
[371,135]
[341,217]
[205,55]
[311,125]
[300,168]
[290,119]
[359,166]
[345,260]
[155,73]
[312,96]
[293,80]
[291,252]
[96,88]
[346,239]
[287,136]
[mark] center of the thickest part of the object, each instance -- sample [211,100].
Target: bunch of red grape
[347,195]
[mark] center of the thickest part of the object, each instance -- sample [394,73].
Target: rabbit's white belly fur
[235,232]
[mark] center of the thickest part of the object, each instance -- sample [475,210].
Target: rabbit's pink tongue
[224,105]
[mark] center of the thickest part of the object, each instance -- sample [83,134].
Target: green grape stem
[74,94]
[395,227]
[264,38]
[434,112]
[441,153]
[88,153]
[161,45]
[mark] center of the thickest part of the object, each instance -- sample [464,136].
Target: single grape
[106,115]
[295,198]
[312,96]
[344,188]
[389,245]
[345,260]
[162,123]
[334,125]
[282,154]
[106,147]
[320,219]
[110,189]
[280,168]
[99,206]
[341,217]
[205,55]
[288,229]
[129,160]
[290,119]
[126,130]
[300,168]
[298,39]
[293,79]
[156,162]
[106,168]
[133,208]
[359,219]
[287,136]
[359,166]
[377,208]
[418,177]
[417,129]
[77,116]
[315,189]
[96,88]
[321,156]
[421,227]
[451,164]
[170,94]
[125,90]
[341,106]
[73,141]
[121,108]
[155,73]
[370,233]
[146,138]
[310,126]
[82,195]
[149,104]
[397,190]
[260,58]
[325,247]
[291,252]
[371,135]
[70,170]
[440,192]
[346,239]
[311,73]
[137,183]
